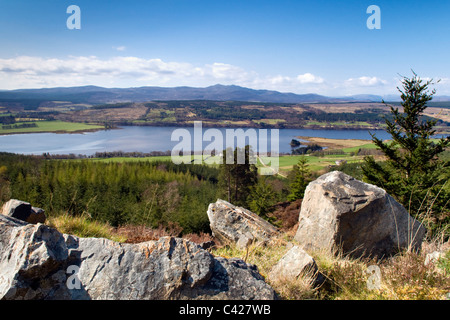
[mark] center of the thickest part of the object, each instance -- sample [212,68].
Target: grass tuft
[83,227]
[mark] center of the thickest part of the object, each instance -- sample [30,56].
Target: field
[52,126]
[347,151]
[351,116]
[339,143]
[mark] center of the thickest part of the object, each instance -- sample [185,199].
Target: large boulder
[38,262]
[32,260]
[339,211]
[232,224]
[24,211]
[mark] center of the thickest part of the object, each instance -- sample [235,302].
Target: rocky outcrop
[232,224]
[38,262]
[360,218]
[24,211]
[32,259]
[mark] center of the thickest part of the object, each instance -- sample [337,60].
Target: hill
[218,92]
[99,95]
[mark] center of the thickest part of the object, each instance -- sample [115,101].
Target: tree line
[147,193]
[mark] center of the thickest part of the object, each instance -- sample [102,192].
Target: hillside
[99,95]
[216,106]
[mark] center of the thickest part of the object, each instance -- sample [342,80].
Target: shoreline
[335,143]
[59,131]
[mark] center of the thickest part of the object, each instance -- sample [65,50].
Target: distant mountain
[100,95]
[366,97]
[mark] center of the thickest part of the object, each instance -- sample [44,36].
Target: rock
[31,259]
[294,263]
[432,257]
[360,218]
[232,224]
[38,262]
[24,211]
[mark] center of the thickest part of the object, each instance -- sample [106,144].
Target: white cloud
[24,72]
[309,78]
[120,48]
[129,71]
[365,82]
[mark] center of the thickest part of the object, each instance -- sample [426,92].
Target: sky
[311,46]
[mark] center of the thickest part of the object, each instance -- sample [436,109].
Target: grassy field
[52,126]
[316,163]
[337,143]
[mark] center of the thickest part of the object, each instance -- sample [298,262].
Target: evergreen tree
[236,179]
[261,198]
[301,179]
[413,172]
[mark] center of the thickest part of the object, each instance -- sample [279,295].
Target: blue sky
[290,46]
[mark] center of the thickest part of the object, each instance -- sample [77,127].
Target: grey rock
[232,224]
[432,257]
[24,211]
[294,263]
[339,211]
[38,262]
[30,258]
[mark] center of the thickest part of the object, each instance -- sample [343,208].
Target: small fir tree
[412,171]
[301,179]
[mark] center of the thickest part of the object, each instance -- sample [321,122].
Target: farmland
[49,126]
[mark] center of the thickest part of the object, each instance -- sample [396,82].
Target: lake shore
[331,143]
[143,139]
[58,127]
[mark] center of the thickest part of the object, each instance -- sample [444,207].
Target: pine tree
[261,198]
[413,172]
[301,179]
[236,179]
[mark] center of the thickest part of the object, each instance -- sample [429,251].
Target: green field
[316,163]
[52,126]
[364,146]
[348,148]
[285,162]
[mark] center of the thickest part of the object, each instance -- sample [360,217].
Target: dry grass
[301,288]
[407,277]
[404,276]
[346,107]
[83,226]
[137,234]
[141,233]
[336,143]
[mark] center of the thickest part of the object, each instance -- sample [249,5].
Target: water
[145,139]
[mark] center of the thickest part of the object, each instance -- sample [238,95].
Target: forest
[145,193]
[149,193]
